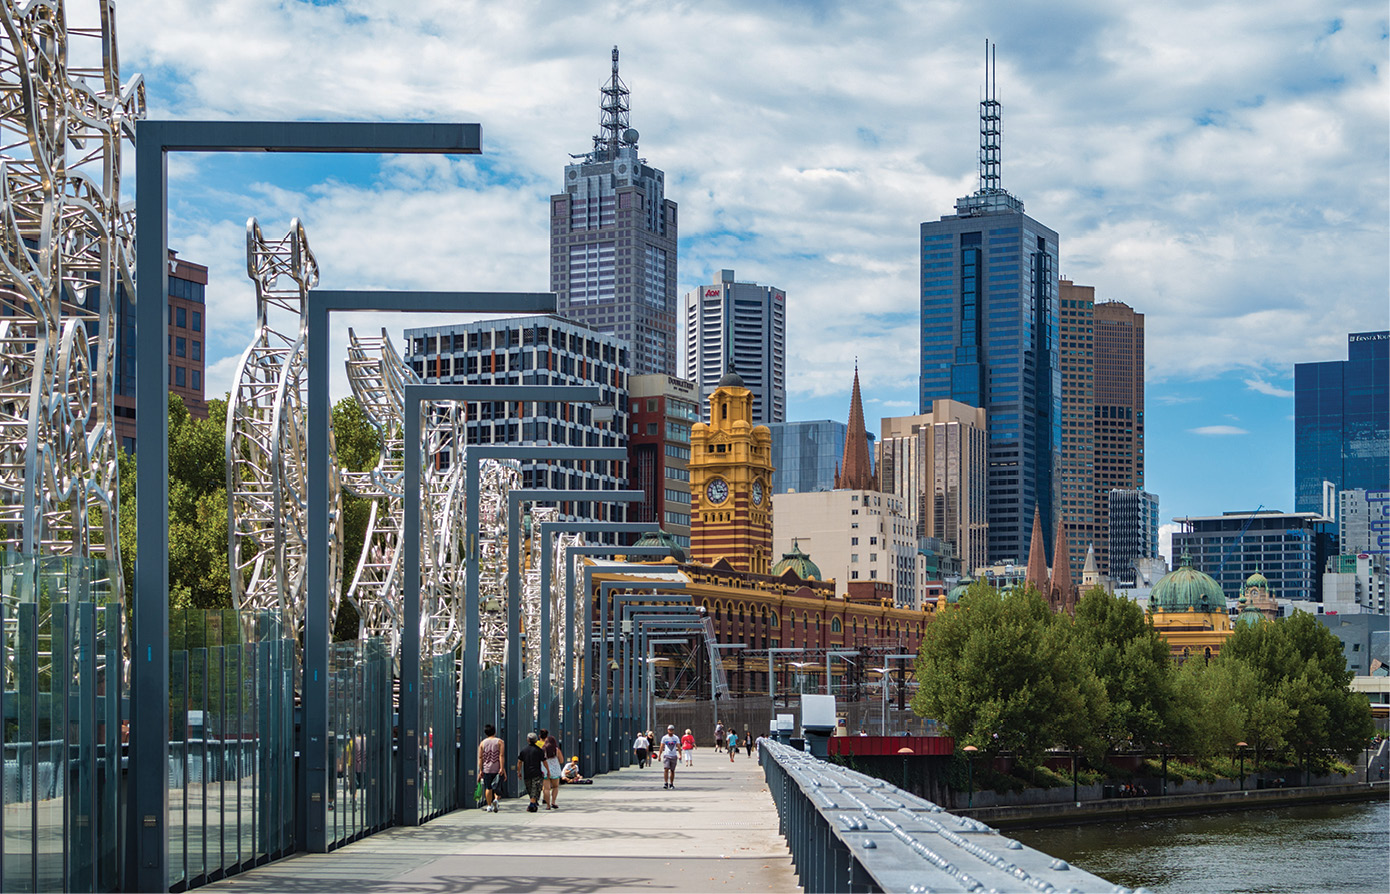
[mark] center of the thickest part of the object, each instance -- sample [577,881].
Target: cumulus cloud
[1260,385]
[1201,161]
[1218,430]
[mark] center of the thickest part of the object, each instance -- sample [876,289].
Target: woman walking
[747,742]
[688,748]
[554,768]
[492,764]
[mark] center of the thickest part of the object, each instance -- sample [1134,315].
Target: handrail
[851,832]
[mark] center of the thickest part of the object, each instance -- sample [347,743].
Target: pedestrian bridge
[721,829]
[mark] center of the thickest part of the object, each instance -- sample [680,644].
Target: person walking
[718,738]
[529,765]
[554,766]
[747,742]
[640,747]
[688,748]
[670,754]
[732,742]
[492,763]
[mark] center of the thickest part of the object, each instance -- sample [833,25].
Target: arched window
[818,623]
[773,619]
[835,626]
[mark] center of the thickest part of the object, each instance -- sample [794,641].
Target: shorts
[668,761]
[533,787]
[490,781]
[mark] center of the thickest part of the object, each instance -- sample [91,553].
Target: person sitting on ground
[571,772]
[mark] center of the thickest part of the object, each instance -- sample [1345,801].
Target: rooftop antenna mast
[617,131]
[991,133]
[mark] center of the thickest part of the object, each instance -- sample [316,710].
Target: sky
[1219,166]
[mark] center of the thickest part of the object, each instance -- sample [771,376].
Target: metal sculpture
[266,435]
[66,248]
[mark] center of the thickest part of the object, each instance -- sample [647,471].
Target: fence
[360,734]
[850,832]
[62,678]
[756,713]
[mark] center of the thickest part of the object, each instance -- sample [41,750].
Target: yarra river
[1313,848]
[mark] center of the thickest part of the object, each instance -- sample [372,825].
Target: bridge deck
[717,831]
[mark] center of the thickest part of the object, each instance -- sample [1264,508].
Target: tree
[358,447]
[997,669]
[1131,659]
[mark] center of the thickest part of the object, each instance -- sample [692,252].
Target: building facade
[661,411]
[1132,520]
[1079,510]
[989,338]
[1289,548]
[613,242]
[1342,421]
[535,350]
[731,507]
[935,462]
[805,455]
[187,336]
[740,326]
[1363,521]
[854,535]
[1356,584]
[1119,411]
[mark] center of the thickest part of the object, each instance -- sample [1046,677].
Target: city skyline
[1199,164]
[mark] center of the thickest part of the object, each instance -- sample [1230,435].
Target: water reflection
[1325,847]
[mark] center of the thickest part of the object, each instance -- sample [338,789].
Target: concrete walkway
[716,831]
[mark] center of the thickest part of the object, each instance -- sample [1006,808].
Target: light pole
[772,672]
[801,675]
[1242,746]
[883,673]
[970,773]
[836,653]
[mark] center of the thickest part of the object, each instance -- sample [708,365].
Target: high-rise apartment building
[740,326]
[989,339]
[806,455]
[661,411]
[536,350]
[1133,533]
[1079,510]
[1363,521]
[936,463]
[1118,414]
[1342,421]
[187,334]
[613,242]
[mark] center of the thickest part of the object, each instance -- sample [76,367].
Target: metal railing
[851,832]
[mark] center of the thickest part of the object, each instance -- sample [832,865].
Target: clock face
[717,490]
[757,493]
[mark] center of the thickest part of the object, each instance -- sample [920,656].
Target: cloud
[1218,430]
[1255,383]
[892,404]
[1165,541]
[1172,400]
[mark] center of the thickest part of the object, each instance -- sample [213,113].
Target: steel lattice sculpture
[267,431]
[66,247]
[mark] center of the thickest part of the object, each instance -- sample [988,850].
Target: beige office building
[935,463]
[852,536]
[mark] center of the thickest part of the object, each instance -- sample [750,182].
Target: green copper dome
[1185,588]
[1257,580]
[661,538]
[1250,617]
[798,562]
[953,595]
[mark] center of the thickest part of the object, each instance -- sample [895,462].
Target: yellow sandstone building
[1189,609]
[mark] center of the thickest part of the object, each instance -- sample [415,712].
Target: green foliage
[1120,645]
[999,671]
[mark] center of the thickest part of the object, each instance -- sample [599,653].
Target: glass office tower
[989,331]
[1342,421]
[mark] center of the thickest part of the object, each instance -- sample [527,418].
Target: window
[197,380]
[836,626]
[180,376]
[854,557]
[197,350]
[854,541]
[773,620]
[180,347]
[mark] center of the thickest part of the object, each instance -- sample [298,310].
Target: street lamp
[801,676]
[772,672]
[883,673]
[970,756]
[1242,746]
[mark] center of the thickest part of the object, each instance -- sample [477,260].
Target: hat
[670,726]
[574,760]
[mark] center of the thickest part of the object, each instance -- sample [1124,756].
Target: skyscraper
[740,326]
[613,241]
[1133,532]
[1119,416]
[1079,511]
[1342,421]
[806,455]
[989,339]
[661,411]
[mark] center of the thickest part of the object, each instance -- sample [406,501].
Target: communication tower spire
[614,122]
[991,133]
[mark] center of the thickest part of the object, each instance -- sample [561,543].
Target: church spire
[1036,575]
[857,471]
[1062,597]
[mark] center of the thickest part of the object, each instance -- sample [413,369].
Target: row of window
[180,316]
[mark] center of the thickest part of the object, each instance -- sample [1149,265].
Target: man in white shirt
[640,746]
[670,753]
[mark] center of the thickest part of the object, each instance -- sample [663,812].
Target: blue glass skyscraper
[989,339]
[1342,421]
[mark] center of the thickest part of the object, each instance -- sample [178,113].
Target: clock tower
[731,483]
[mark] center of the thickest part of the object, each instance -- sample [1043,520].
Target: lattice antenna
[615,120]
[991,131]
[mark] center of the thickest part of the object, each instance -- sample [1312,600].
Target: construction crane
[1239,537]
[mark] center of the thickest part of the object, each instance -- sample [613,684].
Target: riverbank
[1121,809]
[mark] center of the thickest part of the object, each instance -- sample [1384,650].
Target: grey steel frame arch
[148,842]
[607,731]
[645,626]
[632,632]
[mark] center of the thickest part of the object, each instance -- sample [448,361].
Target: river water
[1312,848]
